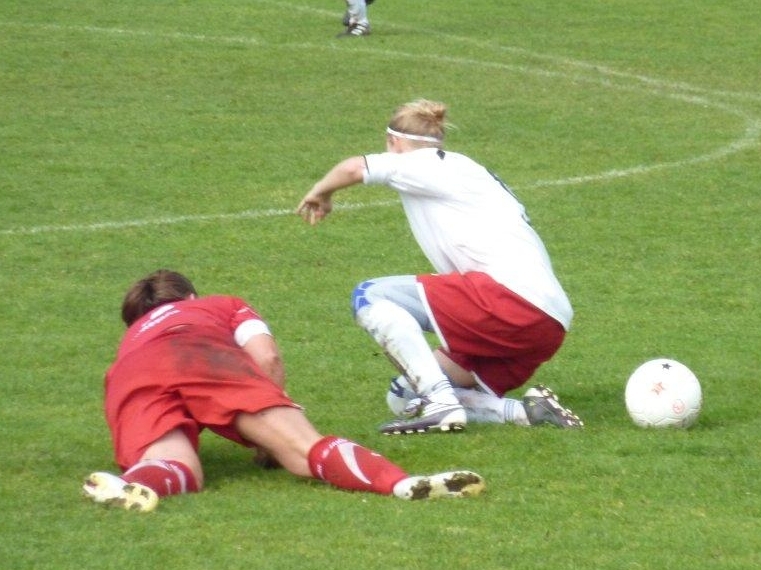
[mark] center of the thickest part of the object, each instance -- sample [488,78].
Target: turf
[136,135]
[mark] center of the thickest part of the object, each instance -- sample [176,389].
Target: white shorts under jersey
[465,219]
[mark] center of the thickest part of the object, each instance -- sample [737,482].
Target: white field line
[601,75]
[595,68]
[234,40]
[171,220]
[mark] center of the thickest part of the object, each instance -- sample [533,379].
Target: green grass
[136,135]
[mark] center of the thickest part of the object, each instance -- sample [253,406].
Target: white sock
[515,412]
[480,406]
[487,408]
[403,340]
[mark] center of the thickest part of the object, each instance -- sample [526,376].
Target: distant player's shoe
[109,489]
[422,415]
[542,407]
[452,484]
[355,30]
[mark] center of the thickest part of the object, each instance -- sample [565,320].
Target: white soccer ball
[663,393]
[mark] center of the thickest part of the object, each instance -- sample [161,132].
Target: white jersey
[465,219]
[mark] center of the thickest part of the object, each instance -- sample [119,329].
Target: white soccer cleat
[422,415]
[108,489]
[451,484]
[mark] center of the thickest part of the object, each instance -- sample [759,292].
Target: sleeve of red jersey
[246,323]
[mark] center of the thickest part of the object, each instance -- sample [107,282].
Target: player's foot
[542,407]
[421,415]
[111,490]
[356,30]
[452,484]
[398,396]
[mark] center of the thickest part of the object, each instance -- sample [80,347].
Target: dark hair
[160,287]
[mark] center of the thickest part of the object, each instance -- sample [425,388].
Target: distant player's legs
[355,19]
[357,11]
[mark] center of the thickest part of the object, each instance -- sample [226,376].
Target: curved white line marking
[601,75]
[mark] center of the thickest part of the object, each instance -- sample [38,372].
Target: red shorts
[489,330]
[186,382]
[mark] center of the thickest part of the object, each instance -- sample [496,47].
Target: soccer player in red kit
[187,363]
[494,301]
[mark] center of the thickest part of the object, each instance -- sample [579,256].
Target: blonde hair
[423,119]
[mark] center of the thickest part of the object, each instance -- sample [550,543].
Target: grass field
[144,134]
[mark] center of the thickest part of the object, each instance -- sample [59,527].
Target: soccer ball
[663,393]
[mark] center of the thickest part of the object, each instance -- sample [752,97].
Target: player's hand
[313,210]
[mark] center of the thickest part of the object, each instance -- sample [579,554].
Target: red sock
[348,465]
[164,477]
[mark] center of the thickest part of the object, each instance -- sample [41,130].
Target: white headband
[422,138]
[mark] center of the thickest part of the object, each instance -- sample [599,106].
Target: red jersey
[182,366]
[216,315]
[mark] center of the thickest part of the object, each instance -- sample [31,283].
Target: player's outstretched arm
[318,201]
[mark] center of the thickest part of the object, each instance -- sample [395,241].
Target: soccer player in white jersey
[494,302]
